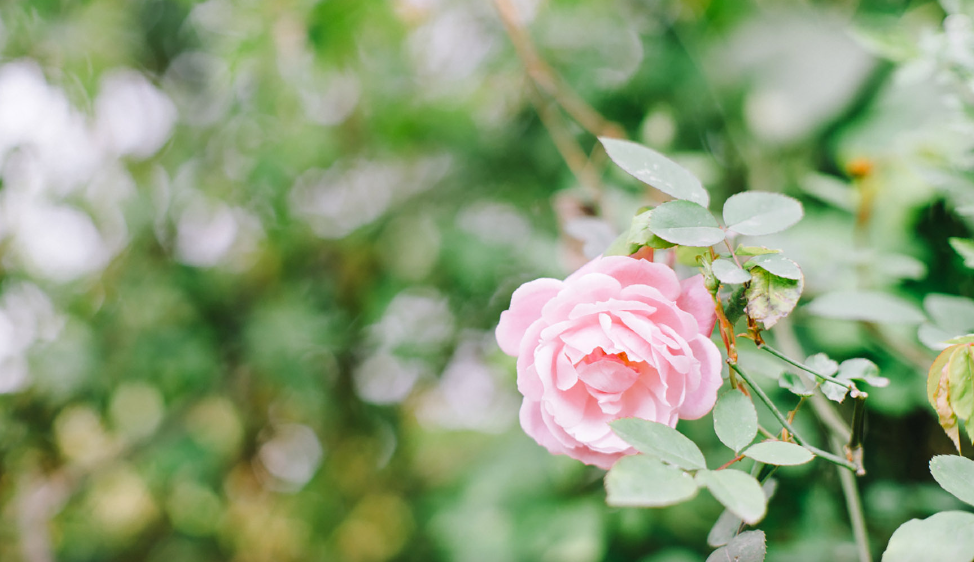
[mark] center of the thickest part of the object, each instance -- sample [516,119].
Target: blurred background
[253,253]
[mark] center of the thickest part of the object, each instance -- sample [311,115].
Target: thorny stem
[787,426]
[853,391]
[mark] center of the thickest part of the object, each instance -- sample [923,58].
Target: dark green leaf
[755,213]
[685,223]
[641,481]
[660,441]
[653,168]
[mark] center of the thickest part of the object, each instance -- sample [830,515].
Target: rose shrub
[620,337]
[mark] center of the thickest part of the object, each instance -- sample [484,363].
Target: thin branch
[854,505]
[548,80]
[784,422]
[853,391]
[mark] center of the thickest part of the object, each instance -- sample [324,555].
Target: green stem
[851,493]
[784,422]
[846,384]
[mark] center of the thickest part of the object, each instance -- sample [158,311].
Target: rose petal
[633,272]
[526,304]
[696,299]
[700,400]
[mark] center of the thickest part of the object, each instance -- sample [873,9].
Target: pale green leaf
[755,213]
[727,525]
[653,168]
[641,481]
[867,306]
[660,441]
[749,546]
[961,339]
[951,313]
[777,264]
[640,234]
[965,249]
[954,474]
[685,223]
[737,491]
[771,298]
[822,364]
[735,420]
[943,537]
[859,369]
[779,453]
[728,272]
[754,251]
[621,246]
[799,383]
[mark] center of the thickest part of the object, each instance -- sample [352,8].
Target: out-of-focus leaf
[755,213]
[749,546]
[737,491]
[660,441]
[642,481]
[945,537]
[965,249]
[686,223]
[770,298]
[952,313]
[735,420]
[954,474]
[866,306]
[779,453]
[621,246]
[728,272]
[799,383]
[653,168]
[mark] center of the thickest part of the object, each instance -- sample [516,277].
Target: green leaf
[770,298]
[943,537]
[938,384]
[866,306]
[749,546]
[641,235]
[859,369]
[800,383]
[685,223]
[728,272]
[964,248]
[653,168]
[735,420]
[660,441]
[727,525]
[755,213]
[641,481]
[960,377]
[754,251]
[738,491]
[778,265]
[690,256]
[621,246]
[779,453]
[736,303]
[822,364]
[954,474]
[951,313]
[961,339]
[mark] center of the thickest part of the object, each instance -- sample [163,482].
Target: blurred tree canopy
[253,254]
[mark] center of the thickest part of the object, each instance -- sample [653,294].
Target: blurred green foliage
[276,344]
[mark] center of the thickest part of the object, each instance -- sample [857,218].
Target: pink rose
[620,337]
